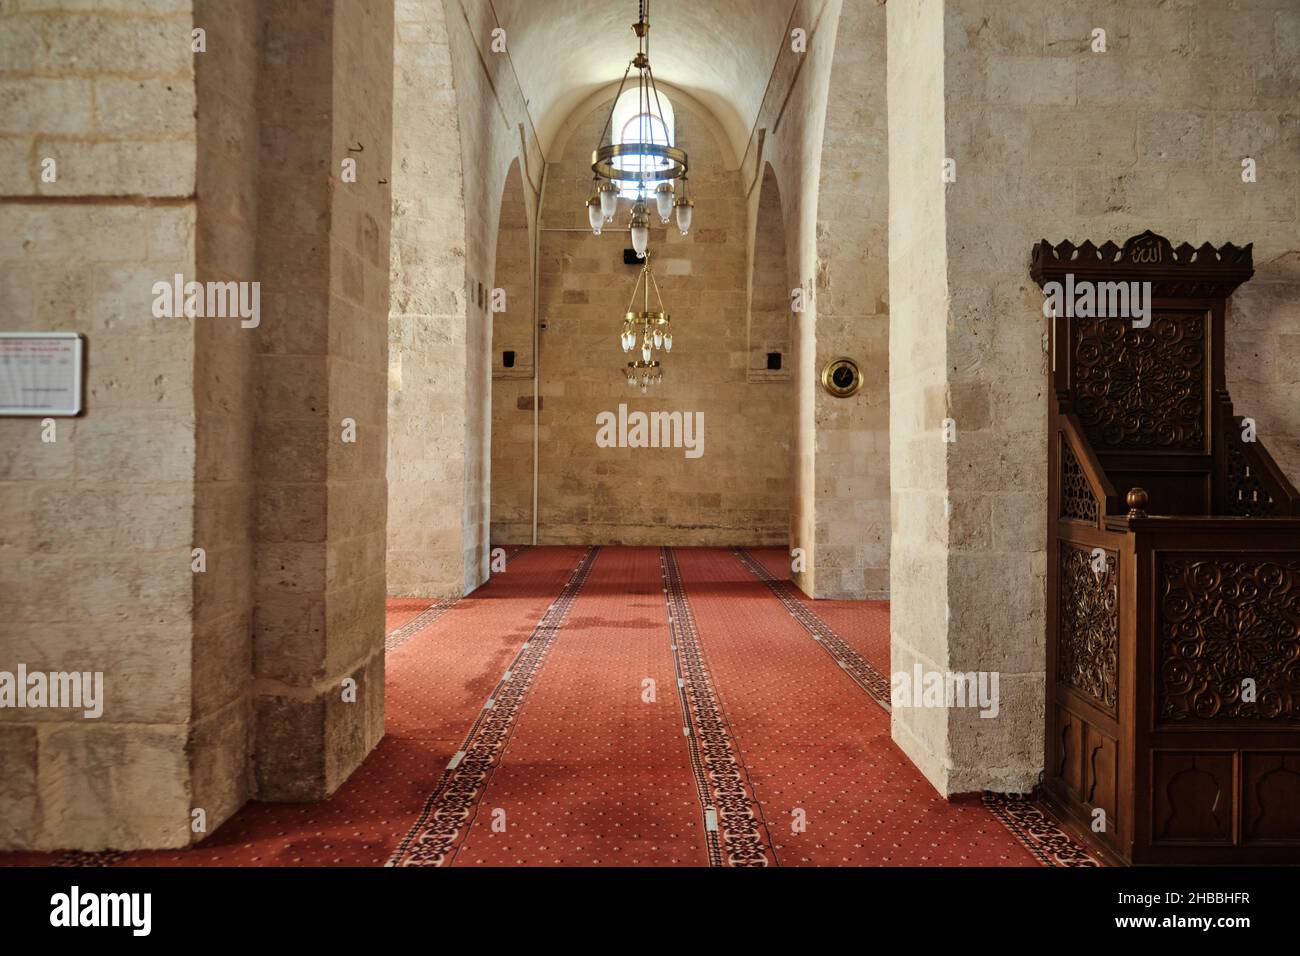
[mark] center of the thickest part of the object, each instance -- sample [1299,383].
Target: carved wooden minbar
[1173,625]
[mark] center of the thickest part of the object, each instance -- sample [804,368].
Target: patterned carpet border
[416,624]
[430,614]
[850,661]
[91,858]
[1037,831]
[735,830]
[437,832]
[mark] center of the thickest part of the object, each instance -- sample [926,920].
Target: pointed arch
[769,288]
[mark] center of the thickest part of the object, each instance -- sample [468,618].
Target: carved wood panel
[1247,494]
[1078,503]
[1224,622]
[1175,272]
[1087,650]
[1141,389]
[1101,773]
[1069,764]
[1192,797]
[1271,797]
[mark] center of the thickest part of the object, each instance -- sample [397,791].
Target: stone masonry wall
[852,291]
[1053,140]
[460,122]
[96,527]
[224,396]
[918,359]
[770,282]
[325,97]
[427,345]
[788,134]
[512,331]
[738,491]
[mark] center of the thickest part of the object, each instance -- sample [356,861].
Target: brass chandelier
[646,328]
[647,163]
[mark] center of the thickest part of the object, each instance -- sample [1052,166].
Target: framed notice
[41,373]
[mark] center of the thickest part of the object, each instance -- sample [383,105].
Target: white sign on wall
[40,373]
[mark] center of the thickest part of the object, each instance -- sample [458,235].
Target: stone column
[851,558]
[918,359]
[429,444]
[1091,120]
[112,125]
[321,444]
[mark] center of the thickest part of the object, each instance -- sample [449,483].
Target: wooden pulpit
[1173,568]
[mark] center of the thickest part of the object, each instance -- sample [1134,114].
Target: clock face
[842,377]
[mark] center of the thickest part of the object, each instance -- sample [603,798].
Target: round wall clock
[842,377]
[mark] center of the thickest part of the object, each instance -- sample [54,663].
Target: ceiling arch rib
[564,51]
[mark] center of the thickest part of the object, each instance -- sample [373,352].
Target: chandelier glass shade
[647,333]
[639,159]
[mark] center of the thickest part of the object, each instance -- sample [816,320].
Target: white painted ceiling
[719,51]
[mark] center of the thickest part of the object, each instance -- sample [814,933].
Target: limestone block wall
[96,526]
[497,131]
[512,331]
[226,177]
[788,134]
[440,456]
[165,459]
[359,297]
[738,491]
[852,291]
[325,96]
[427,321]
[1053,140]
[770,282]
[918,357]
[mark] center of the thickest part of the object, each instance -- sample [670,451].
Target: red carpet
[631,707]
[863,625]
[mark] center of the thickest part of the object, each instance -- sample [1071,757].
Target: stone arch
[513,367]
[852,314]
[430,302]
[739,493]
[770,283]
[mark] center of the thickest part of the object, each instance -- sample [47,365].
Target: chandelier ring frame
[647,318]
[602,162]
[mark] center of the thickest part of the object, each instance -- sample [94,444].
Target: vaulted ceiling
[719,51]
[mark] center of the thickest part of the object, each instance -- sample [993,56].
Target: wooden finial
[1137,503]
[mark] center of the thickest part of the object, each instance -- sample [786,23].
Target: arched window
[635,121]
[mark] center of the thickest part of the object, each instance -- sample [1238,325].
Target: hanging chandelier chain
[659,298]
[609,120]
[632,301]
[645,280]
[654,88]
[627,167]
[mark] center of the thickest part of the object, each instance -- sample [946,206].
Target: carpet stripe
[834,788]
[1035,829]
[1038,830]
[429,615]
[434,837]
[863,673]
[733,821]
[415,625]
